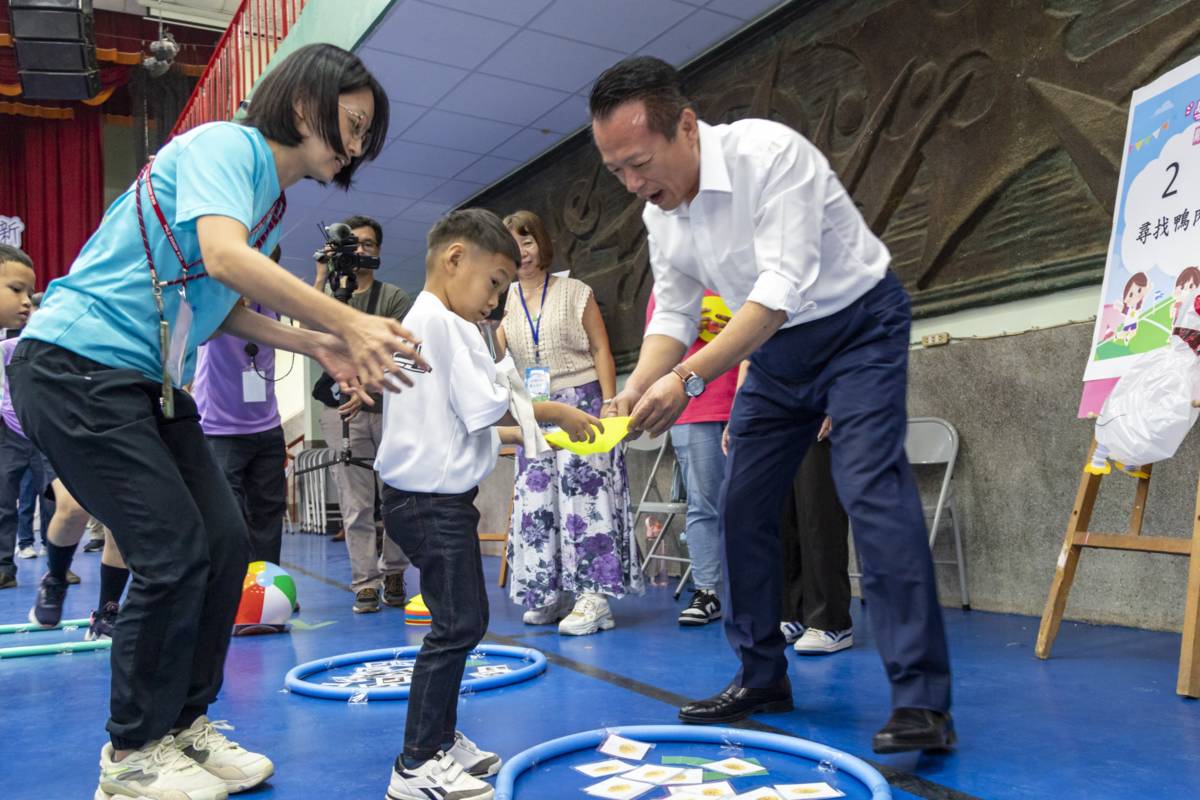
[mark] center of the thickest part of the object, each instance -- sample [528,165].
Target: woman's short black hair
[313,78]
[653,81]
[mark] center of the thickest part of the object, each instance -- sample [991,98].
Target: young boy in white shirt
[438,444]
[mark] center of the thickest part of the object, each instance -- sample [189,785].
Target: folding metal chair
[675,506]
[933,441]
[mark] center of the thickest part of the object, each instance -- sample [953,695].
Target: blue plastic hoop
[855,767]
[295,680]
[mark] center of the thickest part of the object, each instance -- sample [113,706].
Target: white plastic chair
[933,441]
[673,507]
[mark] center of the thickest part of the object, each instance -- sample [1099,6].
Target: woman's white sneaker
[590,614]
[548,615]
[158,771]
[477,763]
[236,766]
[440,777]
[816,642]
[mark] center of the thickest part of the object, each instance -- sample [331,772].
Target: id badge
[254,387]
[537,382]
[177,355]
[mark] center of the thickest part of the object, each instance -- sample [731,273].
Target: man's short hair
[10,253]
[363,221]
[527,223]
[653,81]
[476,226]
[314,77]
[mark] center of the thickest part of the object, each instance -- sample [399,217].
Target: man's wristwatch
[693,384]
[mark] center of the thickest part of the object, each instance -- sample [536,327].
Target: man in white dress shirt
[753,211]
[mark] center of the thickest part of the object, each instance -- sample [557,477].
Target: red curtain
[52,177]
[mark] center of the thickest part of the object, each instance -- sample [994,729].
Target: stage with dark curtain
[51,156]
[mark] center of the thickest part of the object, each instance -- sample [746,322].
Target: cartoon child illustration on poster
[1186,284]
[1131,307]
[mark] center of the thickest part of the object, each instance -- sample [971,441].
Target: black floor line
[899,779]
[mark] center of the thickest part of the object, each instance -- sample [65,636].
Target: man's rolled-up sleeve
[787,232]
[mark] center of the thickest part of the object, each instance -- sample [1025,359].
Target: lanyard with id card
[537,377]
[173,343]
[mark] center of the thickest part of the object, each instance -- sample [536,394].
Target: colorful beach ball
[268,597]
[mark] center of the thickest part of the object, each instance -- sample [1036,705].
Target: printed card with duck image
[734,766]
[762,793]
[807,791]
[599,769]
[653,773]
[619,788]
[711,791]
[687,776]
[620,747]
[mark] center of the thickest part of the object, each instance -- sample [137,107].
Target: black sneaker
[393,590]
[8,581]
[103,622]
[72,578]
[47,611]
[366,601]
[704,608]
[93,546]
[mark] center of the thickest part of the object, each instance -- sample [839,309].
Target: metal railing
[240,57]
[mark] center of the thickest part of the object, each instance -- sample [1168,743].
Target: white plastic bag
[1149,412]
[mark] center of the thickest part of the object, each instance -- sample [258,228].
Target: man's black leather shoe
[735,703]
[915,729]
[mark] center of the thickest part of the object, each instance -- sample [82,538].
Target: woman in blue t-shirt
[97,379]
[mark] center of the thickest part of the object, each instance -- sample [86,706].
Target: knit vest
[564,343]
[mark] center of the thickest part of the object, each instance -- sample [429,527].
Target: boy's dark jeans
[439,533]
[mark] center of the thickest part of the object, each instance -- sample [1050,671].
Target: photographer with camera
[346,269]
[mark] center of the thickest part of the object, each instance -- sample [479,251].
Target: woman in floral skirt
[572,544]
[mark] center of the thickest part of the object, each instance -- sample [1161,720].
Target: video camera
[340,252]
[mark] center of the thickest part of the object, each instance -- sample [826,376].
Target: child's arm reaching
[579,425]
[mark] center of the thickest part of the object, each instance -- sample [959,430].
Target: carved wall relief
[981,139]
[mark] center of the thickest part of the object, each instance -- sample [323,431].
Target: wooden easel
[1078,537]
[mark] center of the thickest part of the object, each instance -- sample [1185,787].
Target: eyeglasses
[358,125]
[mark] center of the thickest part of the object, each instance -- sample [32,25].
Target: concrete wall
[1013,400]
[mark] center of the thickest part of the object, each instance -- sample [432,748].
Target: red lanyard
[271,219]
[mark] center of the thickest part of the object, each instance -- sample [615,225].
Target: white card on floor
[807,791]
[489,670]
[762,793]
[598,769]
[695,775]
[733,766]
[653,773]
[254,387]
[618,788]
[621,747]
[716,789]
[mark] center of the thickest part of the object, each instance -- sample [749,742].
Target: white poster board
[1154,252]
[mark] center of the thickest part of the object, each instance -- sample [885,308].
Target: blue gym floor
[1099,720]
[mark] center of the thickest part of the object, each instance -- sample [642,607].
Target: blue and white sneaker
[439,778]
[791,630]
[821,643]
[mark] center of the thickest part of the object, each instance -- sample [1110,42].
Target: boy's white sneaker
[440,777]
[591,614]
[158,771]
[204,743]
[477,763]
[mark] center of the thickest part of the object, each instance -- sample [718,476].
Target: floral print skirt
[572,523]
